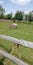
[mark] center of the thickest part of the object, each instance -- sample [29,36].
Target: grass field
[25,32]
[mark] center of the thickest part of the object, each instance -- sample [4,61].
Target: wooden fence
[5,20]
[21,42]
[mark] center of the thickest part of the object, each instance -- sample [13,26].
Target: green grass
[24,31]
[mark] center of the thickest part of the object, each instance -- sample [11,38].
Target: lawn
[25,32]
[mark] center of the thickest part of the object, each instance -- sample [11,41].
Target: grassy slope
[24,31]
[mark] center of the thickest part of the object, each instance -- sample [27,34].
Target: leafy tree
[13,19]
[8,16]
[1,63]
[2,11]
[19,15]
[30,16]
[26,17]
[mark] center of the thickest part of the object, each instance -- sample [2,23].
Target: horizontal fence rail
[21,42]
[10,57]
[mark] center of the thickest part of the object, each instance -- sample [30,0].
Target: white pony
[13,25]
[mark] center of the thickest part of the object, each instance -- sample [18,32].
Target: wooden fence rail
[10,57]
[21,42]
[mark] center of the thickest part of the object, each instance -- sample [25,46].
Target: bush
[1,63]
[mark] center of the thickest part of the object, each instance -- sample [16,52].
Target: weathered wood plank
[10,57]
[21,42]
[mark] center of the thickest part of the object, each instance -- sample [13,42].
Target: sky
[14,5]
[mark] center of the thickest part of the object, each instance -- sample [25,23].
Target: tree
[30,16]
[8,16]
[19,15]
[13,19]
[26,17]
[1,63]
[2,11]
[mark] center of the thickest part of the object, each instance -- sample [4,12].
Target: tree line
[19,15]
